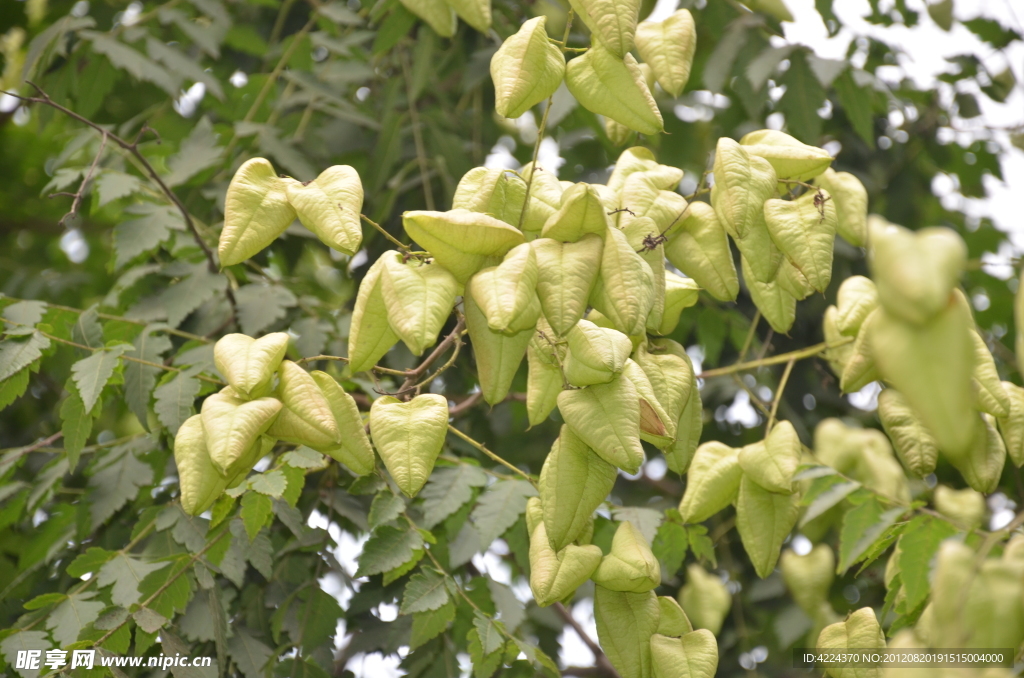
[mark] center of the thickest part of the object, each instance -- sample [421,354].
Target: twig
[77,202]
[28,449]
[778,395]
[750,335]
[375,368]
[417,133]
[808,352]
[394,241]
[466,404]
[131,147]
[599,656]
[492,455]
[413,375]
[108,316]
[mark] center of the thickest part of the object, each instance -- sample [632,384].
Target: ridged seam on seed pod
[438,14]
[526,69]
[699,247]
[630,565]
[860,631]
[330,206]
[419,297]
[712,481]
[580,212]
[306,417]
[857,297]
[496,192]
[607,418]
[566,276]
[232,426]
[256,211]
[612,22]
[200,481]
[555,576]
[409,436]
[694,655]
[668,46]
[476,13]
[913,442]
[790,158]
[596,354]
[705,599]
[462,241]
[804,230]
[1012,426]
[614,87]
[370,334]
[497,354]
[624,291]
[625,624]
[772,462]
[851,205]
[249,364]
[764,520]
[507,293]
[355,450]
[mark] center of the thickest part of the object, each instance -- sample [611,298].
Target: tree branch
[600,659]
[808,352]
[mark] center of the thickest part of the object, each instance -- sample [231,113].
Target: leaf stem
[778,395]
[492,455]
[394,241]
[808,352]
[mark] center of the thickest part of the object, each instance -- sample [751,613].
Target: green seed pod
[672,621]
[931,365]
[617,133]
[966,507]
[507,293]
[545,199]
[987,387]
[644,238]
[462,241]
[712,482]
[860,369]
[438,14]
[306,417]
[607,418]
[249,364]
[200,481]
[1018,316]
[476,13]
[680,293]
[688,431]
[804,230]
[624,291]
[544,379]
[705,598]
[534,514]
[256,211]
[640,159]
[915,271]
[625,624]
[837,356]
[983,464]
[656,426]
[915,446]
[856,299]
[792,281]
[498,355]
[613,86]
[612,22]
[851,200]
[566,275]
[232,426]
[668,46]
[772,462]
[790,158]
[776,304]
[809,577]
[773,8]
[596,355]
[370,334]
[700,249]
[330,206]
[526,69]
[573,483]
[670,377]
[743,182]
[1012,425]
[630,565]
[496,192]
[764,520]
[864,454]
[581,212]
[694,655]
[355,450]
[555,576]
[409,436]
[860,631]
[419,298]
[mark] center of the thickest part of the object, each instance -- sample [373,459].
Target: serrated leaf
[249,653]
[76,425]
[256,509]
[133,61]
[69,618]
[271,483]
[179,300]
[24,641]
[425,592]
[112,185]
[918,546]
[862,525]
[118,478]
[140,379]
[428,625]
[197,151]
[14,387]
[260,306]
[670,546]
[385,508]
[499,507]
[803,97]
[90,561]
[16,354]
[175,399]
[92,374]
[389,548]
[824,493]
[125,573]
[447,490]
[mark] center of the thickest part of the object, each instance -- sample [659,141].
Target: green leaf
[176,397]
[256,511]
[125,573]
[112,185]
[68,619]
[260,306]
[490,633]
[144,234]
[14,387]
[90,561]
[428,625]
[447,490]
[133,61]
[992,32]
[44,600]
[701,544]
[76,424]
[484,665]
[117,479]
[389,548]
[21,641]
[862,525]
[824,493]
[92,374]
[140,379]
[16,354]
[918,546]
[385,508]
[271,483]
[197,152]
[670,545]
[804,96]
[425,592]
[250,654]
[499,508]
[856,102]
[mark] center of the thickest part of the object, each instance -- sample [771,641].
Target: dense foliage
[422,328]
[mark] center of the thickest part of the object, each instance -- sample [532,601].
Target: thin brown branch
[414,375]
[77,195]
[778,394]
[600,659]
